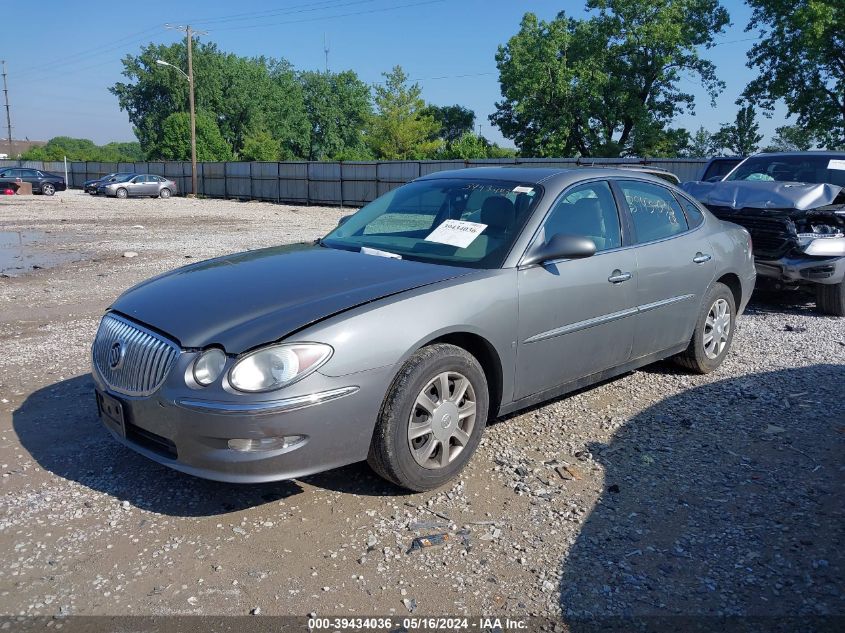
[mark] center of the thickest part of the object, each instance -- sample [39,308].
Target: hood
[739,194]
[249,299]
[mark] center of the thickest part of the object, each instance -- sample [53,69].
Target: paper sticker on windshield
[456,233]
[836,164]
[523,189]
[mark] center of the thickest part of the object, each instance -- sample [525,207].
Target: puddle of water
[24,251]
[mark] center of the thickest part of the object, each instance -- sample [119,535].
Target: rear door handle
[617,277]
[700,258]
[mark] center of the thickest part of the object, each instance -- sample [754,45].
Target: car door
[576,316]
[135,186]
[674,267]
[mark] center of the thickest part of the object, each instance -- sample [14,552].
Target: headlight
[822,244]
[274,367]
[208,366]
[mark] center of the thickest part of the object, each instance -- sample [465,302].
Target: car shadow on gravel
[725,500]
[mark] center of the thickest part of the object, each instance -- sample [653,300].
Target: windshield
[798,168]
[471,223]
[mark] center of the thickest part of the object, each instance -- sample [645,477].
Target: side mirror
[561,246]
[343,220]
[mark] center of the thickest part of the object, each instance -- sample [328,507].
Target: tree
[59,147]
[260,146]
[241,94]
[175,139]
[455,120]
[791,138]
[701,144]
[590,87]
[338,107]
[742,137]
[654,140]
[801,60]
[400,129]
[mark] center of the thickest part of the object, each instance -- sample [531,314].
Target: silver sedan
[135,185]
[462,296]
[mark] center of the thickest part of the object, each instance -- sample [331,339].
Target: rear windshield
[811,169]
[470,223]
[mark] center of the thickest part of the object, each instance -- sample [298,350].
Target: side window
[29,173]
[587,210]
[694,215]
[656,213]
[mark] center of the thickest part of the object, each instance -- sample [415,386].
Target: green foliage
[742,137]
[801,59]
[260,146]
[244,94]
[592,87]
[400,128]
[85,150]
[654,140]
[468,146]
[454,120]
[701,144]
[791,138]
[338,107]
[175,139]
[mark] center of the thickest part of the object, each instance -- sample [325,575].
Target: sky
[59,73]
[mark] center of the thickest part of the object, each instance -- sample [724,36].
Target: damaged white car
[793,204]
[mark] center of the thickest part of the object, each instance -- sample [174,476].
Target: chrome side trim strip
[605,318]
[264,408]
[581,325]
[664,302]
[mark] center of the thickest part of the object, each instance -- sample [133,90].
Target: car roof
[558,176]
[819,152]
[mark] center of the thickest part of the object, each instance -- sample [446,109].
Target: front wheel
[47,189]
[714,332]
[121,193]
[830,298]
[432,418]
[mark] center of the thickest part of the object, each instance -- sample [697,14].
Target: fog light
[265,443]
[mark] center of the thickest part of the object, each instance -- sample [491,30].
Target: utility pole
[326,51]
[8,112]
[189,33]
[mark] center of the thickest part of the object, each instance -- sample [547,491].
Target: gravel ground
[658,493]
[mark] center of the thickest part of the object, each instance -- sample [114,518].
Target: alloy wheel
[442,420]
[717,329]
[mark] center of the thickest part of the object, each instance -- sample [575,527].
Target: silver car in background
[137,185]
[456,298]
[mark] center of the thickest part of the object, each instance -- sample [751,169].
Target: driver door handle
[701,258]
[617,277]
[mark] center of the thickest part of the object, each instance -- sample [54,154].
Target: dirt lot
[655,493]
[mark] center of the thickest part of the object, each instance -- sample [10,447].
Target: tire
[121,193]
[391,447]
[703,358]
[164,193]
[48,189]
[830,298]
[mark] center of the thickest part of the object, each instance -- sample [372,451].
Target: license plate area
[111,413]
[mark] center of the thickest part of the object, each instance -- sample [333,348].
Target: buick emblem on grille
[116,354]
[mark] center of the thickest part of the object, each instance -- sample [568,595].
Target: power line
[296,8]
[329,17]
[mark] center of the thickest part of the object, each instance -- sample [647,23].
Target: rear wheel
[830,298]
[121,193]
[714,332]
[48,189]
[432,418]
[164,193]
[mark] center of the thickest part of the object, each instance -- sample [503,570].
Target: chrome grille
[144,358]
